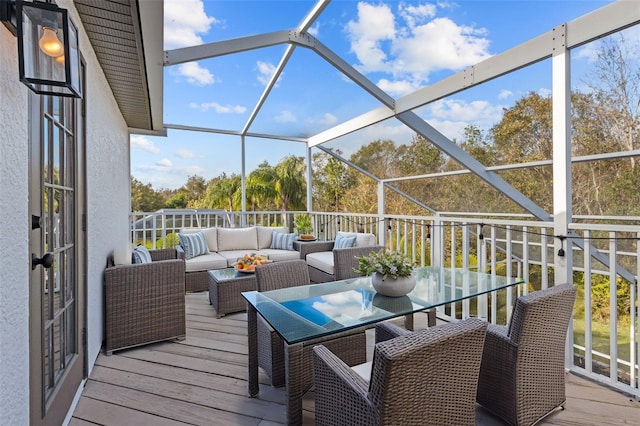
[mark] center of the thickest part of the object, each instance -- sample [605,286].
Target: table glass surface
[226,274]
[309,311]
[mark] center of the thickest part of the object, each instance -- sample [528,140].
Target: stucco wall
[108,206]
[14,234]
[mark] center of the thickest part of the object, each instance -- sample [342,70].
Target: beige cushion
[362,239]
[264,234]
[211,236]
[363,370]
[205,263]
[322,260]
[237,239]
[232,256]
[277,255]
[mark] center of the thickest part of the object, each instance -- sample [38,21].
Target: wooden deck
[202,381]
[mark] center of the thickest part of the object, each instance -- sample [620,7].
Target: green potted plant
[391,272]
[304,226]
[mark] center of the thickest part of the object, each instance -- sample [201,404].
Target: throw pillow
[194,244]
[282,241]
[344,242]
[140,255]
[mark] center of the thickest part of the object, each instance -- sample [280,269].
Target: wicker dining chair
[427,377]
[144,303]
[522,376]
[285,274]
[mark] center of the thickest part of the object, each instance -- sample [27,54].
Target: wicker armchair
[344,260]
[144,303]
[428,377]
[522,377]
[284,274]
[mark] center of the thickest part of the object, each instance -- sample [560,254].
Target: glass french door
[57,351]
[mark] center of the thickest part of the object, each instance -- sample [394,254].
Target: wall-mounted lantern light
[48,55]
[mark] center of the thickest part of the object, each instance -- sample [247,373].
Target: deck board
[202,380]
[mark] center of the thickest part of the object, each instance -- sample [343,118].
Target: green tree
[260,188]
[223,192]
[291,185]
[144,198]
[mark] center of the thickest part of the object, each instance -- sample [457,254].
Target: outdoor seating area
[203,380]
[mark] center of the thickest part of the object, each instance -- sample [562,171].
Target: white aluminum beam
[372,117]
[303,27]
[606,20]
[226,47]
[235,133]
[417,124]
[561,110]
[602,22]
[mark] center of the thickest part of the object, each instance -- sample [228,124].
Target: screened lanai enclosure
[547,191]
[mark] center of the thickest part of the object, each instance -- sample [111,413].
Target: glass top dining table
[307,312]
[310,314]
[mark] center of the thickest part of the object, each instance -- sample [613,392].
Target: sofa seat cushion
[232,256]
[205,263]
[278,255]
[230,239]
[322,260]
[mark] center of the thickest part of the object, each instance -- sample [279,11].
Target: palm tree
[291,185]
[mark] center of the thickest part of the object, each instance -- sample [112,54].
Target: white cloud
[195,74]
[265,72]
[480,113]
[414,15]
[220,109]
[285,117]
[315,30]
[375,25]
[185,153]
[544,92]
[427,44]
[397,88]
[504,94]
[142,143]
[165,162]
[183,21]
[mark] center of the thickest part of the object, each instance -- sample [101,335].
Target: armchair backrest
[429,376]
[542,316]
[286,273]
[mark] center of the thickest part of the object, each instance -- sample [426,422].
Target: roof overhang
[127,37]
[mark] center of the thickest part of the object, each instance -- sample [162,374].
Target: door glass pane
[55,222]
[58,332]
[56,155]
[47,357]
[69,219]
[69,161]
[69,276]
[70,337]
[45,150]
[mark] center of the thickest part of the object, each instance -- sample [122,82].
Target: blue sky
[399,45]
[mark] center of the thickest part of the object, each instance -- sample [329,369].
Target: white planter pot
[393,287]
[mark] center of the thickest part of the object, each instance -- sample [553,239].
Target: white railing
[605,345]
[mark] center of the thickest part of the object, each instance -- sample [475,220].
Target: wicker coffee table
[225,288]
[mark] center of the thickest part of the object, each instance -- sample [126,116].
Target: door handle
[46,261]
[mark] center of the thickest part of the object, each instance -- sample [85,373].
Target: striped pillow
[282,241]
[141,255]
[344,242]
[193,243]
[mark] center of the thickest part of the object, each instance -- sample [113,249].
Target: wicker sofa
[225,246]
[144,303]
[327,263]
